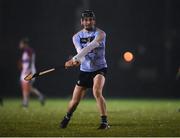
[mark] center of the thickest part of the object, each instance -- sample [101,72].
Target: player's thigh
[78,92]
[98,83]
[26,86]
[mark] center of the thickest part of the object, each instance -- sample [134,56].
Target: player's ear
[81,22]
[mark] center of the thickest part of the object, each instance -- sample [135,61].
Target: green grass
[126,117]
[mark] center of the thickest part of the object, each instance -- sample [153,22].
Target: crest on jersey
[87,39]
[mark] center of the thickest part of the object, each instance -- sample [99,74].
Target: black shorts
[86,78]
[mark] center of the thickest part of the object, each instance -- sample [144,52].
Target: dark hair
[25,40]
[88,13]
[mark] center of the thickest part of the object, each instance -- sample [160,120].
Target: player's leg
[98,84]
[39,94]
[25,92]
[78,94]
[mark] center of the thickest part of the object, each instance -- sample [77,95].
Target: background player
[28,66]
[90,46]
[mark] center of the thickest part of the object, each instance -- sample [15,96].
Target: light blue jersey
[95,59]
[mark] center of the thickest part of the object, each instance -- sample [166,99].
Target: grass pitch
[126,117]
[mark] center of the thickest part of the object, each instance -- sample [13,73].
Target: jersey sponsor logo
[87,39]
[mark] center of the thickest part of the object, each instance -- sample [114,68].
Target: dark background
[148,28]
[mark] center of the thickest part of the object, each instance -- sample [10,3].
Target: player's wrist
[75,59]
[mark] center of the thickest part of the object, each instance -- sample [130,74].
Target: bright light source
[128,56]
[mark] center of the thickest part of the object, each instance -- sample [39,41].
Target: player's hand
[71,63]
[76,63]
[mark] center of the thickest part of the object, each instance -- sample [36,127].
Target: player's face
[22,45]
[88,23]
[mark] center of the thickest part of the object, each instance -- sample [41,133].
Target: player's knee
[97,89]
[97,93]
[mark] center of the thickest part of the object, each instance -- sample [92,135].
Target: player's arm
[77,59]
[76,42]
[90,46]
[77,45]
